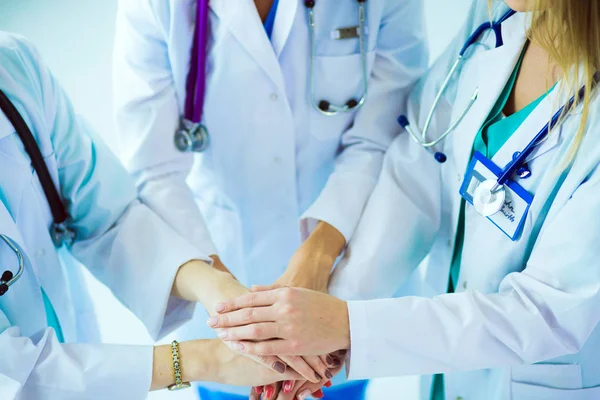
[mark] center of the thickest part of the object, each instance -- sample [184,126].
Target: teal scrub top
[491,137]
[52,318]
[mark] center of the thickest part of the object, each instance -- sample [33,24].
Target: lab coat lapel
[8,227]
[22,304]
[284,20]
[241,18]
[493,69]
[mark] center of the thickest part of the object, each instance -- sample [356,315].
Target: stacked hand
[285,321]
[309,268]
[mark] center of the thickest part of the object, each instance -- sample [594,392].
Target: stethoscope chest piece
[191,137]
[487,199]
[62,234]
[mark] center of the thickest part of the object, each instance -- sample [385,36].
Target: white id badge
[511,217]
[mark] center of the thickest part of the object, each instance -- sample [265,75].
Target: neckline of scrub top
[270,21]
[52,318]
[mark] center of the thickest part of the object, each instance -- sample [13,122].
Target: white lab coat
[273,161]
[122,242]
[534,300]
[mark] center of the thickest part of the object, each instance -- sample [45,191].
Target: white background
[75,38]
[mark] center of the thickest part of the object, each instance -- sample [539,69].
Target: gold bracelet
[179,383]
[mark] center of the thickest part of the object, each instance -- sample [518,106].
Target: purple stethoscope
[192,135]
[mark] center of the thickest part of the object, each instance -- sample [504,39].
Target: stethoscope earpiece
[440,157]
[351,103]
[324,105]
[6,276]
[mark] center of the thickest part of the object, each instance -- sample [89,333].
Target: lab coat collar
[493,68]
[284,20]
[241,18]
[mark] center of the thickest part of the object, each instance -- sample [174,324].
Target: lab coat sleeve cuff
[358,360]
[340,204]
[175,311]
[124,373]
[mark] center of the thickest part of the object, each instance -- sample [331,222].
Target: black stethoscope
[60,231]
[193,136]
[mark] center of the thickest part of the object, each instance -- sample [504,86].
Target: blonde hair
[569,30]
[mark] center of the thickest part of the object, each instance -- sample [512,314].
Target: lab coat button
[40,253]
[459,398]
[277,160]
[459,177]
[449,243]
[273,96]
[465,285]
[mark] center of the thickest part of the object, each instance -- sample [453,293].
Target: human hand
[284,321]
[292,390]
[226,287]
[311,264]
[309,268]
[222,286]
[282,389]
[235,369]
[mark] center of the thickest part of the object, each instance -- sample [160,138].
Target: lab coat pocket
[546,381]
[338,79]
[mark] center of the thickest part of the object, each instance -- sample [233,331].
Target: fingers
[268,347]
[272,391]
[318,366]
[299,365]
[306,390]
[271,362]
[287,390]
[250,300]
[330,361]
[269,391]
[241,317]
[264,288]
[254,332]
[288,386]
[255,393]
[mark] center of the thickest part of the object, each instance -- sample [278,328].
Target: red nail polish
[258,389]
[318,394]
[269,391]
[287,386]
[328,384]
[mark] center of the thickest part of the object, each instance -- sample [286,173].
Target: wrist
[197,358]
[326,243]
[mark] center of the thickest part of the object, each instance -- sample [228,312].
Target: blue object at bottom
[348,391]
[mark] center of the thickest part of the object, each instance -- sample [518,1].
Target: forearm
[197,363]
[200,282]
[312,263]
[211,361]
[326,243]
